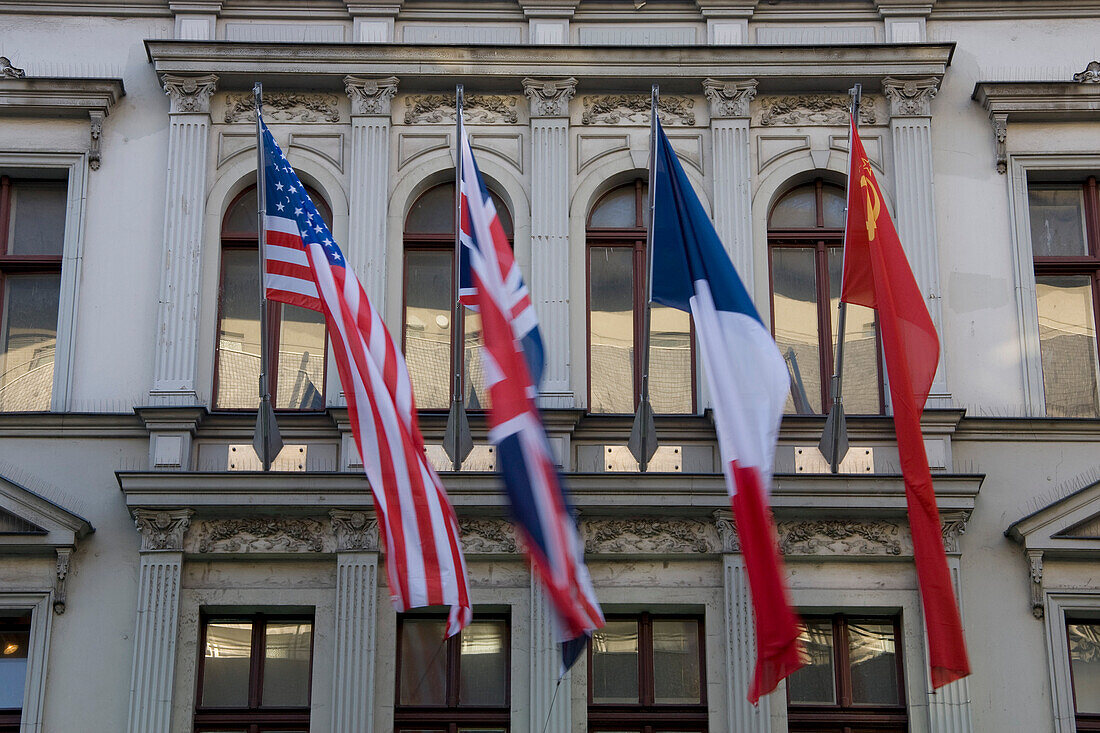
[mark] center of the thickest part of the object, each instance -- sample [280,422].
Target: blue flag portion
[686,248]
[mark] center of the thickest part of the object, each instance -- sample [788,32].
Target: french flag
[748,384]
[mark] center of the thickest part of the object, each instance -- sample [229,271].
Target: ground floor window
[15,635]
[1083,637]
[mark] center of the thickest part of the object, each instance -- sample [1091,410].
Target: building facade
[152,580]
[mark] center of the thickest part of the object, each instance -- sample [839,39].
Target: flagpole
[834,437]
[267,432]
[643,434]
[457,441]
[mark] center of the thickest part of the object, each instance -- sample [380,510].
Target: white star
[335,256]
[297,212]
[280,207]
[317,229]
[328,242]
[278,187]
[293,190]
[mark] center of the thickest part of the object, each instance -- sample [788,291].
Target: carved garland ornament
[840,537]
[648,536]
[7,71]
[1091,74]
[261,535]
[478,109]
[814,109]
[633,109]
[284,107]
[488,537]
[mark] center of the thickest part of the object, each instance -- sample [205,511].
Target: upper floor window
[1065,241]
[296,335]
[616,236]
[806,250]
[1084,663]
[32,236]
[15,633]
[647,674]
[429,302]
[254,674]
[852,679]
[456,685]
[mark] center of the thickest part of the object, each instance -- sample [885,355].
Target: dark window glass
[1084,662]
[15,636]
[32,237]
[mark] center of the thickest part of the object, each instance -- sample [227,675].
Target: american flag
[305,267]
[513,358]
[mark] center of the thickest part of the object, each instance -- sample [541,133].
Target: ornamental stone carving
[355,531]
[952,525]
[7,71]
[840,537]
[283,107]
[1000,132]
[729,97]
[633,109]
[260,534]
[370,96]
[1035,574]
[488,537]
[648,536]
[727,532]
[189,93]
[94,156]
[1091,74]
[162,530]
[910,97]
[814,109]
[477,109]
[550,97]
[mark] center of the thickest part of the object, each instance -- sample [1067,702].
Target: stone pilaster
[910,103]
[727,20]
[740,641]
[548,711]
[904,20]
[548,20]
[158,607]
[356,614]
[949,707]
[729,126]
[185,207]
[550,229]
[370,178]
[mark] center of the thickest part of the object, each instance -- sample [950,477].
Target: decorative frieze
[189,94]
[355,531]
[841,537]
[1091,74]
[550,97]
[814,109]
[910,97]
[7,71]
[487,536]
[477,109]
[649,536]
[259,534]
[283,107]
[162,530]
[370,96]
[633,109]
[729,97]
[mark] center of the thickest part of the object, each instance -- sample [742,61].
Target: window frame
[452,715]
[635,238]
[255,715]
[1087,265]
[845,712]
[39,605]
[822,240]
[242,242]
[646,714]
[1083,721]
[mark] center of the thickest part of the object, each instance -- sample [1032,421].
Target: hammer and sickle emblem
[874,204]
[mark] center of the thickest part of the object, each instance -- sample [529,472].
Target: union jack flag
[305,267]
[513,358]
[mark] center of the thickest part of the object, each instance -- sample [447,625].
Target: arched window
[616,236]
[805,244]
[297,335]
[429,299]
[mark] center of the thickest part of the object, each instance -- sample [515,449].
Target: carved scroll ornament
[1091,74]
[189,93]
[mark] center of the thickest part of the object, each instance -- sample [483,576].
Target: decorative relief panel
[487,536]
[633,109]
[1091,74]
[841,537]
[813,109]
[649,536]
[7,71]
[259,534]
[283,107]
[477,109]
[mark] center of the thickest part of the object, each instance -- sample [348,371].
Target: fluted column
[915,202]
[370,179]
[740,636]
[158,608]
[949,706]
[549,704]
[550,230]
[356,613]
[184,210]
[729,127]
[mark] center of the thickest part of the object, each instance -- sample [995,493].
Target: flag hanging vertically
[748,383]
[877,275]
[513,358]
[305,267]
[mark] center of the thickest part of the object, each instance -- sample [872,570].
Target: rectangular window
[1065,241]
[15,634]
[1084,662]
[646,674]
[457,685]
[255,674]
[852,679]
[32,236]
